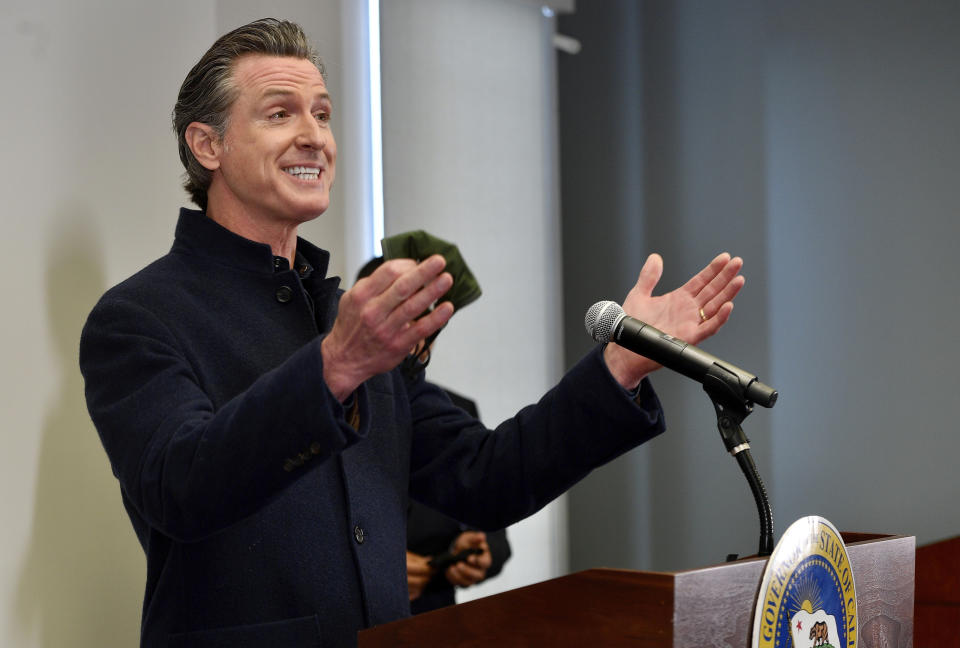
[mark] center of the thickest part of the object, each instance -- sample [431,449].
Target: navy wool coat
[266,518]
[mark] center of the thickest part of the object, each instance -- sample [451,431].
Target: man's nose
[312,135]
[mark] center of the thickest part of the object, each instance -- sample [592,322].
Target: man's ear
[205,144]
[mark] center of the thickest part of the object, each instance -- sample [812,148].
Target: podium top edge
[850,538]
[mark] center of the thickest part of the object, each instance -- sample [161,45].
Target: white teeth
[302,172]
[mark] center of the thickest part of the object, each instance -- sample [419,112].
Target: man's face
[278,156]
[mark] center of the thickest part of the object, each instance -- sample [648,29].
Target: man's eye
[322,117]
[280,114]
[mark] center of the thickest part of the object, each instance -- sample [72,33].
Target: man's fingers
[703,278]
[394,282]
[723,286]
[725,295]
[382,278]
[409,295]
[411,281]
[650,275]
[419,301]
[426,325]
[713,324]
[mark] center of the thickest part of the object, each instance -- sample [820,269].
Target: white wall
[469,132]
[91,187]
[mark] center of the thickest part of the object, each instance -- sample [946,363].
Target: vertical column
[468,128]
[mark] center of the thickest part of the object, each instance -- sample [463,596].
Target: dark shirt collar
[300,263]
[203,236]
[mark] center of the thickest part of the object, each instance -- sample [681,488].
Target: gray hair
[208,91]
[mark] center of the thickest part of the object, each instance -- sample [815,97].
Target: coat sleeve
[188,468]
[492,478]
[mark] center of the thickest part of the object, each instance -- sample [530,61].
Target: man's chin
[307,212]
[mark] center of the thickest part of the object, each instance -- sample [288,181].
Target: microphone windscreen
[601,319]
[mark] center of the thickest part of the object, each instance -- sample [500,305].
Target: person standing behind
[430,533]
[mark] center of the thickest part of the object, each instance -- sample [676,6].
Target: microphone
[606,322]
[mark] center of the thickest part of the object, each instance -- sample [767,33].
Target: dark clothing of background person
[430,533]
[270,513]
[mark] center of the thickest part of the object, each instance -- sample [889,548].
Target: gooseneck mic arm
[731,410]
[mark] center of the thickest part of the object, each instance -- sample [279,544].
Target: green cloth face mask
[418,245]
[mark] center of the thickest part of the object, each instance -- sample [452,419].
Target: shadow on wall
[82,582]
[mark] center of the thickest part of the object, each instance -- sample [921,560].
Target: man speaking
[264,440]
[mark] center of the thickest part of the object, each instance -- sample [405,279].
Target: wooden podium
[701,607]
[938,594]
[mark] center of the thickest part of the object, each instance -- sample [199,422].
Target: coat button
[358,534]
[284,294]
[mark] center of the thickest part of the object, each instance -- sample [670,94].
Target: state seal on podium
[808,598]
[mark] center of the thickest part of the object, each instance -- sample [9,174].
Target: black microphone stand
[732,408]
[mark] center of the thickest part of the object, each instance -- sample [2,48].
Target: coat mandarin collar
[200,235]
